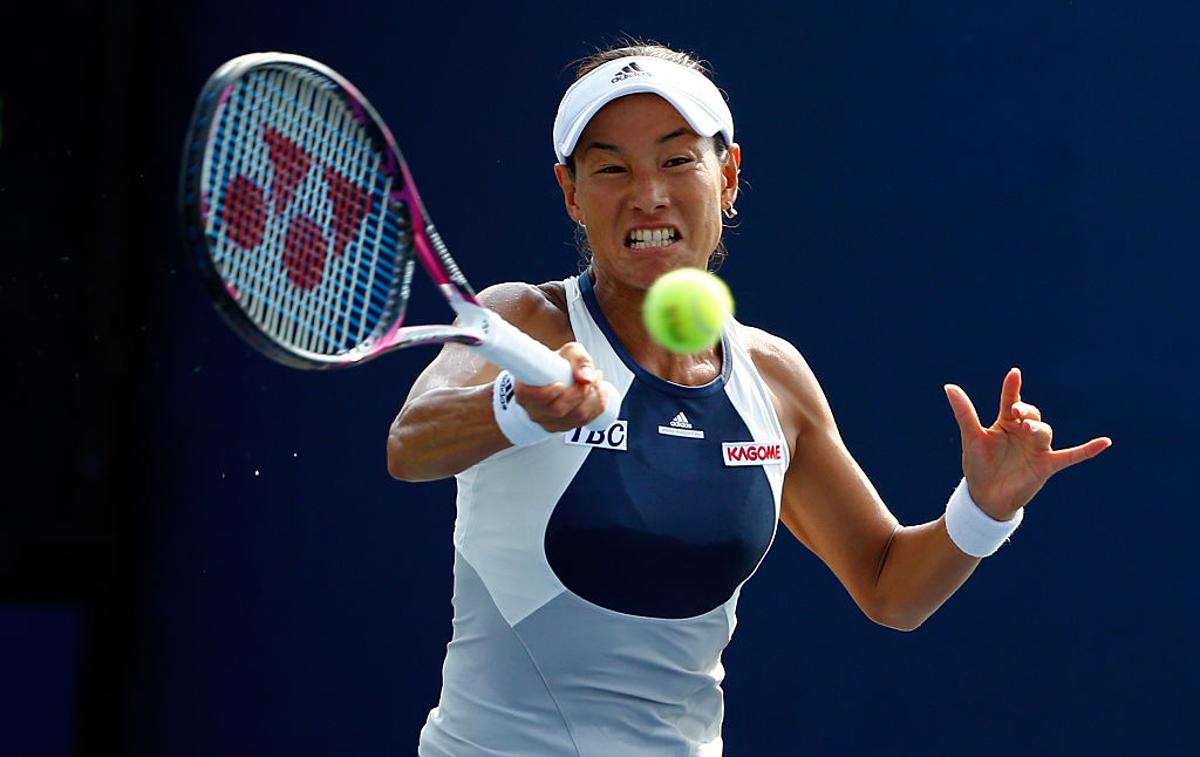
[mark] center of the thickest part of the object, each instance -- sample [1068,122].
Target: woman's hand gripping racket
[305,221]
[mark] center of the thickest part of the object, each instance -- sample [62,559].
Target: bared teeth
[640,239]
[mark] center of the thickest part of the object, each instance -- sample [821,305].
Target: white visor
[692,93]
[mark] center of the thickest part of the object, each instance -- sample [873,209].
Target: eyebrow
[681,131]
[677,133]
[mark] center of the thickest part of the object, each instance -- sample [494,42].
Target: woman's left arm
[899,575]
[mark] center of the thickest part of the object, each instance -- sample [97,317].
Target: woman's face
[649,189]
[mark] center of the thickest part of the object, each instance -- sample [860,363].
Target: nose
[649,192]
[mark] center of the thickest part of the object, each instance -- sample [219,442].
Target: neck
[622,306]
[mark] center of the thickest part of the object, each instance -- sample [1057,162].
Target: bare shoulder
[539,310]
[798,395]
[777,359]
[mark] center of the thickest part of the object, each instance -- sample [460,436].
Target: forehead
[627,118]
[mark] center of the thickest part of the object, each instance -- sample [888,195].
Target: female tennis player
[597,571]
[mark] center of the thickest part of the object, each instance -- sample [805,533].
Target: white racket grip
[531,362]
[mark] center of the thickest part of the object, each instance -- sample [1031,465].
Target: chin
[651,274]
[641,268]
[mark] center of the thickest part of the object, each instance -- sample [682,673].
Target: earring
[730,212]
[582,225]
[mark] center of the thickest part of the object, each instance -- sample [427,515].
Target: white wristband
[971,529]
[512,419]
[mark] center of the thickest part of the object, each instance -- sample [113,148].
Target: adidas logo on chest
[681,426]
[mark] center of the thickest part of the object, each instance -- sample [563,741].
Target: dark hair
[631,46]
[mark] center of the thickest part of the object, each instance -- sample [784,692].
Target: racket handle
[531,362]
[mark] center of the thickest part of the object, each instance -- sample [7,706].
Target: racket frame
[420,239]
[492,337]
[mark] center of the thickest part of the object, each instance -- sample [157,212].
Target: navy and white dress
[596,573]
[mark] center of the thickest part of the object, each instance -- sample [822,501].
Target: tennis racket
[305,224]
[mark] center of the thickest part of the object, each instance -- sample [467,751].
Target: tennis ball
[685,310]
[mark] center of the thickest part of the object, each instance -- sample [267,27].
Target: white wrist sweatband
[971,529]
[512,419]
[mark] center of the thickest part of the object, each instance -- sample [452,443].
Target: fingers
[581,362]
[1023,410]
[1065,458]
[964,411]
[1041,434]
[1021,417]
[561,408]
[1010,393]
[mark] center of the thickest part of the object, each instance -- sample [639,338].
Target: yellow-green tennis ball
[686,310]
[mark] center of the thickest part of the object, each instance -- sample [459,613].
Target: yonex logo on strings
[247,217]
[630,71]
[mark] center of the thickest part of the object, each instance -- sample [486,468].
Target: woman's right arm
[447,424]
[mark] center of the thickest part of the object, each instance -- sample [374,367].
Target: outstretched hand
[1007,463]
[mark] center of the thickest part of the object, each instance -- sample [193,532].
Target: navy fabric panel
[662,529]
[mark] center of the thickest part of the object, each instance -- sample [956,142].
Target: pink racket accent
[428,256]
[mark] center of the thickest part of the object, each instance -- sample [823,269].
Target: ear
[729,175]
[567,184]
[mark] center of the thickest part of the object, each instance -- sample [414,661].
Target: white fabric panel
[751,398]
[503,508]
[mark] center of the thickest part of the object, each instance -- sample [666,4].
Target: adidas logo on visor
[630,71]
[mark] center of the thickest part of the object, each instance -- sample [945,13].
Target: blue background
[932,193]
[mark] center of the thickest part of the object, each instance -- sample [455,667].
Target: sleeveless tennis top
[596,573]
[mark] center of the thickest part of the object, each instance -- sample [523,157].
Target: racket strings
[258,279]
[345,171]
[298,138]
[304,253]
